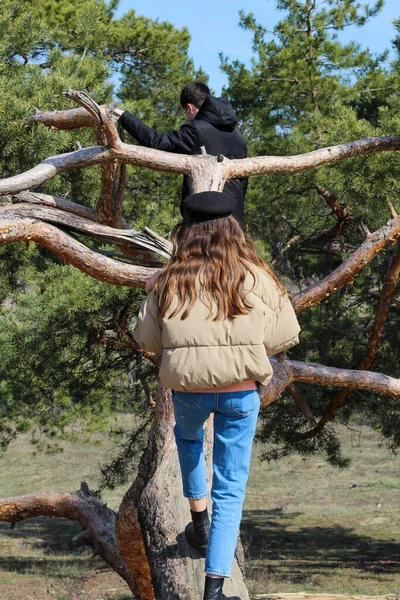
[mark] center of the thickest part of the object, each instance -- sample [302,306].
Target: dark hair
[216,253]
[194,93]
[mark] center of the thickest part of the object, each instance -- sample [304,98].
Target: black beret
[206,206]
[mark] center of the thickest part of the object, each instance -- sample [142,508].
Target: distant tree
[46,48]
[305,89]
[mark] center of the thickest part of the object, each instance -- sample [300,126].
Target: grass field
[306,526]
[309,527]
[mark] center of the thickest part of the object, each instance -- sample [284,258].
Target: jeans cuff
[195,497]
[215,572]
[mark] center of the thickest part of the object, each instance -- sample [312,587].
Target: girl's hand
[151,281]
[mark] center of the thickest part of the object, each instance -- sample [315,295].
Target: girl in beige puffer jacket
[215,315]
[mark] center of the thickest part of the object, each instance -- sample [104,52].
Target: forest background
[64,371]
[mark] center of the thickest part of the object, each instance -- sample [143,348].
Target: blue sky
[213,25]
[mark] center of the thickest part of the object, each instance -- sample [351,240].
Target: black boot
[213,588]
[197,531]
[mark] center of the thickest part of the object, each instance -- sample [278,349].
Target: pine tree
[305,90]
[67,321]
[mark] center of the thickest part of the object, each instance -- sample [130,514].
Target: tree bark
[128,238]
[177,572]
[288,371]
[144,542]
[74,253]
[95,518]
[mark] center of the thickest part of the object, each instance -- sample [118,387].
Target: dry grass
[307,527]
[36,558]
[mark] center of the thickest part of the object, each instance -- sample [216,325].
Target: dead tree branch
[263,165]
[302,404]
[73,118]
[382,312]
[73,252]
[97,520]
[145,239]
[288,371]
[147,243]
[95,155]
[113,174]
[56,202]
[345,273]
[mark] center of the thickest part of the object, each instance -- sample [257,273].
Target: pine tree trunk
[177,572]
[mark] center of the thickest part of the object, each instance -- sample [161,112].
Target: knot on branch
[86,492]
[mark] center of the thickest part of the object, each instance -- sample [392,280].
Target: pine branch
[386,299]
[288,371]
[345,273]
[74,252]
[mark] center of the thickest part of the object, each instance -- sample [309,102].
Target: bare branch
[287,371]
[75,118]
[109,206]
[338,209]
[95,155]
[102,122]
[364,228]
[82,506]
[113,180]
[263,165]
[144,249]
[345,273]
[302,404]
[281,250]
[391,208]
[146,388]
[147,239]
[73,252]
[56,202]
[364,380]
[382,312]
[100,113]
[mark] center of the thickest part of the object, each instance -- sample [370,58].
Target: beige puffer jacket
[199,353]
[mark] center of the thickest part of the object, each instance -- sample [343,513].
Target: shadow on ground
[54,534]
[43,546]
[267,536]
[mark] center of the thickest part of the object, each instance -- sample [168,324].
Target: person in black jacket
[211,123]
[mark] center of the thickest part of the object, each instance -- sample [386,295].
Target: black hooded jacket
[214,127]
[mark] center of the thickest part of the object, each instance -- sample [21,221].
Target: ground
[307,527]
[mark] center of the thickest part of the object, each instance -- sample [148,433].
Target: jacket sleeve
[181,140]
[148,331]
[281,328]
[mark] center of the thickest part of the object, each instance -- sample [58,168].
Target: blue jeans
[235,419]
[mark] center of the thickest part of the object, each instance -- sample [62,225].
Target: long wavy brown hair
[215,255]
